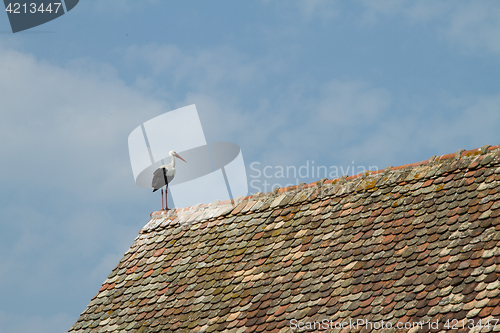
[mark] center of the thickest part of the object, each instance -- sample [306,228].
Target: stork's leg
[166,197]
[162,199]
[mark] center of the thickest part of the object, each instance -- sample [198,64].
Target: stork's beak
[177,155]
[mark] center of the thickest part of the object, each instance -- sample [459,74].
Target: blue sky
[367,83]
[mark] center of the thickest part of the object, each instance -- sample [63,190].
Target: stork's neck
[172,162]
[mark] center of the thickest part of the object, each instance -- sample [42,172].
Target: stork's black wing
[159,179]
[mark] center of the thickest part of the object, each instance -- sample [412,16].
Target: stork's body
[164,175]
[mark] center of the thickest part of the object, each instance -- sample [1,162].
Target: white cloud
[460,123]
[201,70]
[299,116]
[416,11]
[219,81]
[300,123]
[324,9]
[307,10]
[352,103]
[331,123]
[476,26]
[477,122]
[471,25]
[119,7]
[14,323]
[64,128]
[353,119]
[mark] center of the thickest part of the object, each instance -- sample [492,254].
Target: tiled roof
[410,244]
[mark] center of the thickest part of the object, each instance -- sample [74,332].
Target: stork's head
[173,153]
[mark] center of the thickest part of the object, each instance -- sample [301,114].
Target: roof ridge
[342,186]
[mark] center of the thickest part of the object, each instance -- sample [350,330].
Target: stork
[163,176]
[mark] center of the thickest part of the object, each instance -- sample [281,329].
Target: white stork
[164,175]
